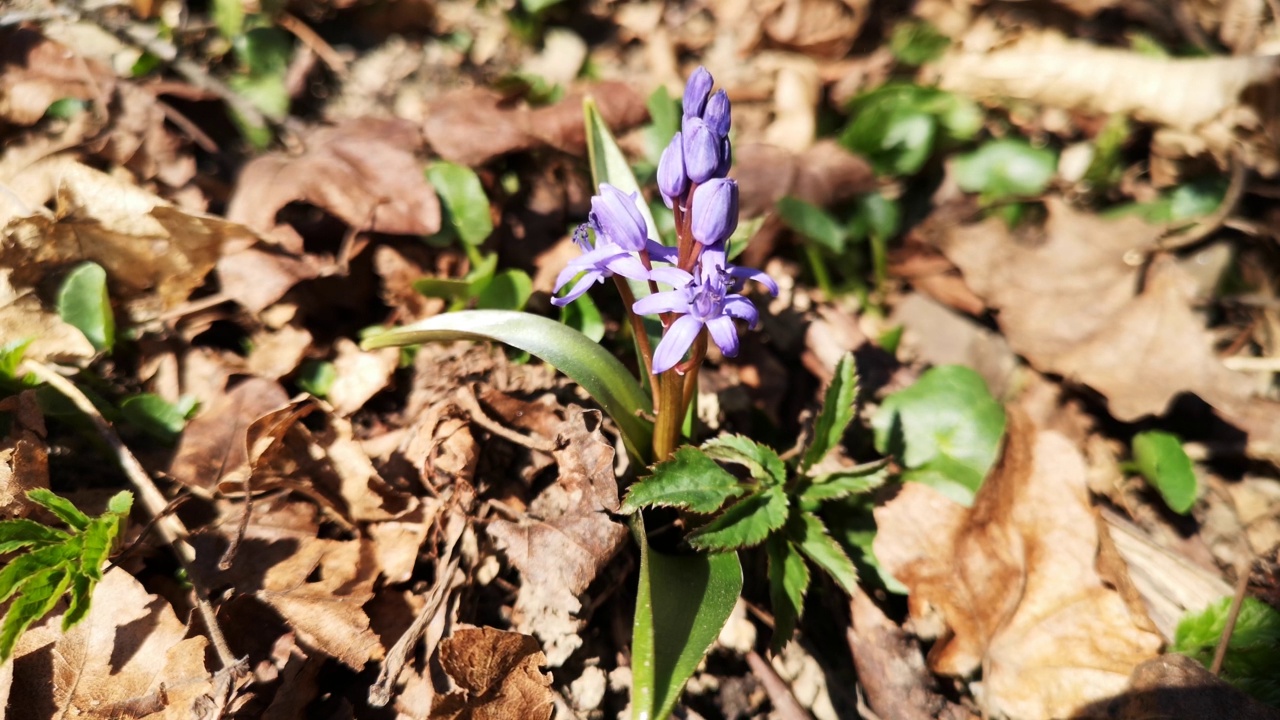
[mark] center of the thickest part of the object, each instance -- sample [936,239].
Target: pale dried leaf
[497,673]
[35,72]
[214,444]
[360,375]
[24,455]
[1011,584]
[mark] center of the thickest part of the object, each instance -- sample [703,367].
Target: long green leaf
[838,410]
[569,351]
[682,603]
[40,595]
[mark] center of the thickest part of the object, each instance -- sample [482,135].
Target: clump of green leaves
[1253,654]
[831,239]
[55,562]
[898,126]
[776,504]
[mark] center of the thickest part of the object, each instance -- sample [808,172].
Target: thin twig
[779,691]
[1210,224]
[466,397]
[1242,585]
[311,39]
[169,526]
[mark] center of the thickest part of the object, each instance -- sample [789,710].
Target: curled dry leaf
[817,28]
[473,126]
[214,444]
[1011,585]
[497,677]
[567,537]
[1070,304]
[360,375]
[127,658]
[24,455]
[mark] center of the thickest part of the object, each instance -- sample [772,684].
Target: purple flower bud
[696,92]
[715,211]
[726,158]
[717,113]
[614,215]
[701,150]
[672,180]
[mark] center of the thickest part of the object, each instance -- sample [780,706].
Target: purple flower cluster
[692,178]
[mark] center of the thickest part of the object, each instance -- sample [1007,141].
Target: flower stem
[642,337]
[666,432]
[695,364]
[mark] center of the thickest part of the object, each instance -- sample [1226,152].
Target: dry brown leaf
[567,537]
[127,658]
[1070,304]
[1011,584]
[474,125]
[1176,687]
[155,254]
[818,28]
[214,443]
[35,72]
[361,374]
[362,171]
[497,675]
[24,455]
[277,351]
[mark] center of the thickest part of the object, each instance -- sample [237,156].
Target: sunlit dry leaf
[361,375]
[214,443]
[362,171]
[258,276]
[35,72]
[473,126]
[497,675]
[278,352]
[823,174]
[24,455]
[819,28]
[127,658]
[1011,584]
[1070,304]
[1177,687]
[566,539]
[22,315]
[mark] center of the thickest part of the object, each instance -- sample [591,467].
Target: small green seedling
[1253,653]
[1162,461]
[55,562]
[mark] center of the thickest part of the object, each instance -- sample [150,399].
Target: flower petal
[746,273]
[591,278]
[696,92]
[701,150]
[725,334]
[660,302]
[616,216]
[628,266]
[736,306]
[662,253]
[675,343]
[715,211]
[673,276]
[672,180]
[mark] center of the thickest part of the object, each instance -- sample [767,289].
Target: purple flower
[696,92]
[606,259]
[715,211]
[713,262]
[614,215]
[672,180]
[717,113]
[702,150]
[702,303]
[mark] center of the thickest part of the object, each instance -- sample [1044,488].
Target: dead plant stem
[1242,585]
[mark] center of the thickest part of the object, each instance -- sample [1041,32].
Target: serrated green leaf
[21,570]
[60,506]
[759,460]
[508,290]
[83,303]
[812,223]
[121,503]
[96,543]
[946,429]
[915,42]
[78,604]
[11,354]
[682,603]
[465,203]
[1006,168]
[569,351]
[40,594]
[746,523]
[788,583]
[1253,653]
[836,485]
[20,533]
[1162,461]
[826,553]
[689,480]
[156,416]
[838,409]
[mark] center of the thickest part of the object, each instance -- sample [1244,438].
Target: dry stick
[1208,225]
[467,399]
[778,690]
[169,526]
[311,39]
[1242,584]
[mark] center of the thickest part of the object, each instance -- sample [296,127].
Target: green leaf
[569,351]
[1007,168]
[897,125]
[156,416]
[40,596]
[508,290]
[584,316]
[682,604]
[465,203]
[316,377]
[1185,202]
[664,114]
[877,217]
[689,480]
[98,540]
[760,460]
[826,553]
[60,506]
[1162,461]
[917,42]
[78,606]
[22,569]
[228,16]
[83,303]
[1253,653]
[836,485]
[788,582]
[946,428]
[1106,167]
[20,533]
[747,522]
[838,409]
[120,503]
[533,7]
[812,223]
[66,108]
[11,354]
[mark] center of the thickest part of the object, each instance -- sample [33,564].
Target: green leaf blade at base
[83,302]
[837,412]
[682,604]
[760,460]
[1162,461]
[689,480]
[569,351]
[826,553]
[746,523]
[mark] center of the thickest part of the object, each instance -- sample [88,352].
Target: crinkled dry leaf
[360,375]
[258,276]
[818,28]
[24,454]
[127,658]
[214,444]
[497,673]
[1070,304]
[1012,586]
[362,171]
[35,72]
[567,537]
[824,174]
[473,126]
[1176,687]
[155,254]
